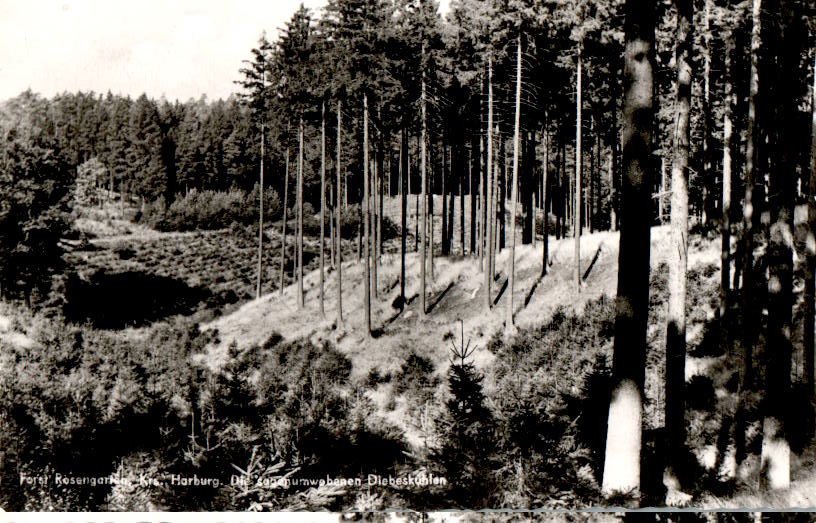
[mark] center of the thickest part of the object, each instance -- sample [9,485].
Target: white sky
[176,48]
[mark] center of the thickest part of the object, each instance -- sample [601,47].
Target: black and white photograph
[363,256]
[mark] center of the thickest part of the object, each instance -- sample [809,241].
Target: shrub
[210,210]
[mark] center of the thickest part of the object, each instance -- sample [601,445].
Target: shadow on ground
[132,299]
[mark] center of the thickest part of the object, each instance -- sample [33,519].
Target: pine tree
[676,314]
[623,440]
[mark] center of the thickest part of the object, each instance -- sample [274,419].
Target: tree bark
[339,224]
[545,196]
[403,179]
[260,220]
[678,261]
[511,271]
[283,225]
[322,200]
[749,312]
[300,297]
[423,191]
[577,189]
[725,265]
[366,212]
[623,441]
[777,428]
[810,278]
[489,195]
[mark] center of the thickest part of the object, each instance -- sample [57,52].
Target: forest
[560,254]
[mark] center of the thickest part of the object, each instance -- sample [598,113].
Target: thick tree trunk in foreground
[678,252]
[810,278]
[777,427]
[749,331]
[623,441]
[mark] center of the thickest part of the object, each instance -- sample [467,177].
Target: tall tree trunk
[708,175]
[300,296]
[403,179]
[483,178]
[431,179]
[578,161]
[462,204]
[489,194]
[810,277]
[501,188]
[678,261]
[260,219]
[511,271]
[283,225]
[777,428]
[545,196]
[339,224]
[623,440]
[473,196]
[445,189]
[725,265]
[373,236]
[424,192]
[749,331]
[330,209]
[451,204]
[366,212]
[322,200]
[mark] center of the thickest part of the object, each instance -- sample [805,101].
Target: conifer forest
[519,254]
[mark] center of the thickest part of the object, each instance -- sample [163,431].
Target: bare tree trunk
[578,161]
[777,428]
[283,225]
[810,277]
[489,194]
[623,440]
[751,159]
[446,240]
[511,271]
[339,224]
[403,176]
[300,296]
[473,200]
[330,208]
[676,313]
[423,190]
[545,195]
[260,220]
[725,266]
[430,218]
[322,200]
[462,204]
[366,212]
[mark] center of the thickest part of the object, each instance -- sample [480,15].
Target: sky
[178,49]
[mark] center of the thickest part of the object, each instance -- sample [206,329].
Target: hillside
[456,293]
